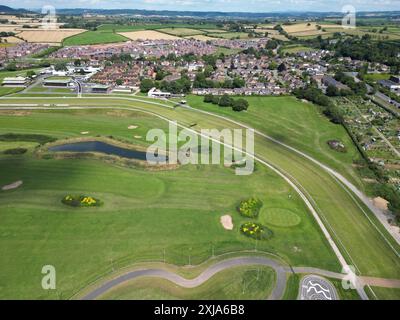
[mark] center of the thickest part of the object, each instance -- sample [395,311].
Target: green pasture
[143,212]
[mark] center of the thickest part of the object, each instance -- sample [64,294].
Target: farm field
[48,36]
[200,37]
[295,49]
[307,27]
[181,32]
[148,35]
[229,35]
[93,37]
[11,41]
[240,283]
[150,26]
[142,210]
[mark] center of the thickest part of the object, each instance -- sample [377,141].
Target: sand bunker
[11,186]
[138,137]
[85,132]
[132,127]
[226,222]
[380,203]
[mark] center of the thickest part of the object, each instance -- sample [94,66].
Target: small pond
[102,147]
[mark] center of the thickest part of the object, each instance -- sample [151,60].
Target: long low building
[155,93]
[15,82]
[56,82]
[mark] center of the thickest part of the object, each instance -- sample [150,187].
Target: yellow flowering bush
[256,231]
[250,208]
[80,201]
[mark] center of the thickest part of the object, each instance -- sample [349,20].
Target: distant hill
[8,10]
[221,15]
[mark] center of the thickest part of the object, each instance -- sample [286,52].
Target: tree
[271,44]
[31,74]
[146,85]
[60,66]
[215,100]
[332,91]
[273,65]
[225,101]
[77,62]
[208,98]
[119,82]
[281,67]
[238,82]
[240,105]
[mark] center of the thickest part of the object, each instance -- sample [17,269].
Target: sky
[215,5]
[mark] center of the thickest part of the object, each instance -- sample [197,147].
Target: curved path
[276,294]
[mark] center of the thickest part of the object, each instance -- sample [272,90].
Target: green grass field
[295,49]
[296,123]
[377,76]
[142,215]
[354,234]
[240,283]
[229,35]
[181,32]
[387,293]
[93,37]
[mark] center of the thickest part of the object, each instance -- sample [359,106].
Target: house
[15,82]
[329,81]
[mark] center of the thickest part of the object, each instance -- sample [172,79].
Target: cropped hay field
[12,40]
[48,36]
[307,27]
[148,35]
[8,28]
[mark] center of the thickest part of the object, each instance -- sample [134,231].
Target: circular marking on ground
[316,288]
[279,217]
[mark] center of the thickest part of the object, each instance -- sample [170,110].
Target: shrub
[225,101]
[256,231]
[39,138]
[240,105]
[250,208]
[81,201]
[16,151]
